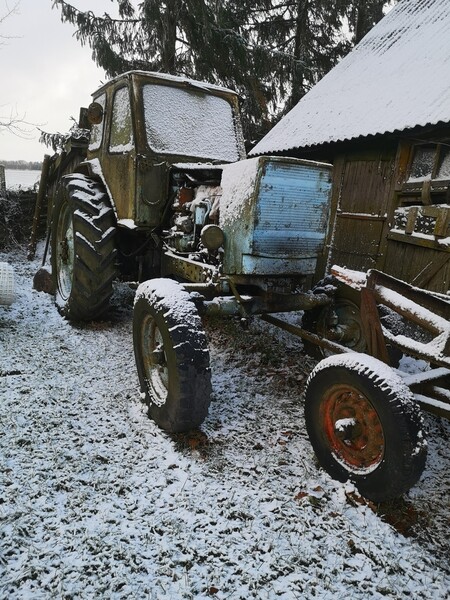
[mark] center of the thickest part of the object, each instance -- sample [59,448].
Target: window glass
[121,138]
[97,130]
[423,162]
[189,122]
[444,164]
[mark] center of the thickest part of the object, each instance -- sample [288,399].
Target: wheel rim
[154,361]
[353,429]
[65,253]
[346,318]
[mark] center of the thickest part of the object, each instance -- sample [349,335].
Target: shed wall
[362,204]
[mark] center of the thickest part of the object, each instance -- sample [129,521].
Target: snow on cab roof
[396,78]
[167,77]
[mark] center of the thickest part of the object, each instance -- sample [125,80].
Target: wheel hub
[66,254]
[154,361]
[64,251]
[353,429]
[342,324]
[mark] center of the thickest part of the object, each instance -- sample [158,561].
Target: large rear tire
[83,248]
[365,425]
[172,356]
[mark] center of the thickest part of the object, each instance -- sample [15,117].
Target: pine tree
[270,51]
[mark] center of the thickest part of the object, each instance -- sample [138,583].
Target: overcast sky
[46,74]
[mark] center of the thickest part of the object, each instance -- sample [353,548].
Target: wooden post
[2,180]
[371,326]
[38,207]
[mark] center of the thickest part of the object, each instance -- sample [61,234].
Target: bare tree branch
[13,123]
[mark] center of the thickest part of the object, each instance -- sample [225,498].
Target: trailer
[363,413]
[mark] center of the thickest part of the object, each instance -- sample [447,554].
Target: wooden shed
[382,117]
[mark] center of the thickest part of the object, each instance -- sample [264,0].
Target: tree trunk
[300,44]
[169,36]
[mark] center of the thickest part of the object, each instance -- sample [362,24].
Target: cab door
[118,159]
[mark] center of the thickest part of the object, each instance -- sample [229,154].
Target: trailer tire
[365,426]
[83,248]
[172,355]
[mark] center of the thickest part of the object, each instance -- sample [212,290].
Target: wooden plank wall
[362,191]
[364,198]
[422,266]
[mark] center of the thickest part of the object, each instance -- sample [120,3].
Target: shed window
[428,179]
[423,215]
[422,163]
[444,164]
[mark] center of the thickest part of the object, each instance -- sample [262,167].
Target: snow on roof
[398,77]
[162,77]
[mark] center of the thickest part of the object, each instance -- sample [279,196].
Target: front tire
[364,425]
[83,248]
[172,356]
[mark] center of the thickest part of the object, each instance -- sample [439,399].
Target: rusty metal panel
[274,213]
[291,211]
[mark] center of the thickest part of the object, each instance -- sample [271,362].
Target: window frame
[129,146]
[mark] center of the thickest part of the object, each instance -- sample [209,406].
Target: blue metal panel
[292,210]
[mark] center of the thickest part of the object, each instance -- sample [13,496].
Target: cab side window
[121,137]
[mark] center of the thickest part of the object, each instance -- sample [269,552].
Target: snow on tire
[83,248]
[364,425]
[172,355]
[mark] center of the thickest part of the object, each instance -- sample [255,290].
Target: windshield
[189,122]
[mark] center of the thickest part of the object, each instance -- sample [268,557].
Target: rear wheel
[83,248]
[365,425]
[172,356]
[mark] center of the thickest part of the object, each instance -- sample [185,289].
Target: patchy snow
[121,135]
[368,365]
[405,306]
[170,295]
[183,123]
[238,188]
[97,502]
[166,77]
[128,223]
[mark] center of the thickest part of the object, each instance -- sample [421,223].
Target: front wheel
[364,425]
[172,356]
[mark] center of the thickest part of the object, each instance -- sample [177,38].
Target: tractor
[159,192]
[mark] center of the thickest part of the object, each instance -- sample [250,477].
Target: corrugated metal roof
[398,77]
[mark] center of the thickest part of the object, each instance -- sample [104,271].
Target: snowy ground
[96,502]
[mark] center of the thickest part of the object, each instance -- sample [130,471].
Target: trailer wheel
[364,425]
[172,355]
[83,248]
